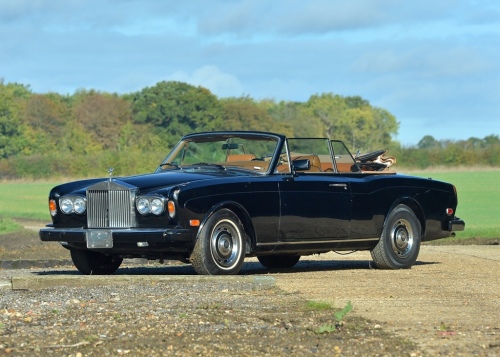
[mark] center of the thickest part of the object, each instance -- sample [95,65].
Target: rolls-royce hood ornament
[110,172]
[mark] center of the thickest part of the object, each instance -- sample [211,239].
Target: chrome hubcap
[225,244]
[402,238]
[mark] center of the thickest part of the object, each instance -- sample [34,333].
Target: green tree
[491,140]
[102,115]
[297,116]
[176,108]
[44,119]
[353,120]
[361,128]
[79,141]
[331,111]
[356,102]
[386,126]
[245,114]
[428,142]
[12,96]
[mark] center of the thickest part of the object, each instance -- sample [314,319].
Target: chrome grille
[111,205]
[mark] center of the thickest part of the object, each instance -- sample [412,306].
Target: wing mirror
[230,146]
[301,165]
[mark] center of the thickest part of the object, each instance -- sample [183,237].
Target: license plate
[99,239]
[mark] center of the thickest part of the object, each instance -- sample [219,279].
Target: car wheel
[94,263]
[277,261]
[220,248]
[399,244]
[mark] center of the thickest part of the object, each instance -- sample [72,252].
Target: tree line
[79,135]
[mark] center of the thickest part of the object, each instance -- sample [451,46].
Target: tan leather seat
[241,157]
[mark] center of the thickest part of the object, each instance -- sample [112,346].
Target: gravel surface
[150,318]
[446,305]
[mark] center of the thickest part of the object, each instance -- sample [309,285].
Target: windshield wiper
[170,164]
[221,167]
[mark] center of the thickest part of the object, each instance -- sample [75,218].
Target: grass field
[478,201]
[25,200]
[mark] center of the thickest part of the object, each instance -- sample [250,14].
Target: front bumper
[117,237]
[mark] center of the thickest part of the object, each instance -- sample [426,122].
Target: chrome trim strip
[320,241]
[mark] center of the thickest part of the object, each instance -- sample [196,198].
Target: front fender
[243,216]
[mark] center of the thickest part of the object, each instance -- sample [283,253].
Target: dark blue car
[219,197]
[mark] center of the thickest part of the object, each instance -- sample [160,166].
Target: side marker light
[194,222]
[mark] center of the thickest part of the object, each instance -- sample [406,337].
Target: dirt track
[449,301]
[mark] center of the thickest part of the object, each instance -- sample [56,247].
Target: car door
[314,206]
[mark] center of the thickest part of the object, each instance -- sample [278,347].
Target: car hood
[153,181]
[173,177]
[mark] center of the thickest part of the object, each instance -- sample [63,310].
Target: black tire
[279,261]
[94,263]
[220,248]
[399,244]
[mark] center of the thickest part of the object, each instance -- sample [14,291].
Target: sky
[435,65]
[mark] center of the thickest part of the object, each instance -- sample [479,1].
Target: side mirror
[301,165]
[231,146]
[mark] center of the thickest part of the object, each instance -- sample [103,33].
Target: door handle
[338,185]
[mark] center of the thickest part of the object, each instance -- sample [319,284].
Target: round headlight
[157,206]
[66,205]
[143,206]
[79,205]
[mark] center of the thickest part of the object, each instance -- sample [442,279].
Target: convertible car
[219,197]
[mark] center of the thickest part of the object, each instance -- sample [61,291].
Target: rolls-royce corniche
[219,197]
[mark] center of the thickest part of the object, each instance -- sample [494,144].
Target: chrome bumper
[456,225]
[118,236]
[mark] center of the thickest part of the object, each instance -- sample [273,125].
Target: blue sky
[434,64]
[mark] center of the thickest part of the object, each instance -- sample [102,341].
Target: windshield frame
[220,136]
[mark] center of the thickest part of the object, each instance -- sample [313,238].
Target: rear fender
[414,206]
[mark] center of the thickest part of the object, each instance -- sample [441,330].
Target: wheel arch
[242,215]
[402,233]
[414,206]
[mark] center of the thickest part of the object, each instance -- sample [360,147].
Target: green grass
[318,305]
[7,226]
[28,200]
[478,200]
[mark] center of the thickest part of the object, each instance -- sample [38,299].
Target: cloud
[426,62]
[251,18]
[211,77]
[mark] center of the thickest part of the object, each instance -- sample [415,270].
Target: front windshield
[222,152]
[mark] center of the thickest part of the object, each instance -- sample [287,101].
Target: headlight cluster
[73,204]
[151,205]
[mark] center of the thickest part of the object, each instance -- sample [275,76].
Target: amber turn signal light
[171,209]
[194,222]
[53,207]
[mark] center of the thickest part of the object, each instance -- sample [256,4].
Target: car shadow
[304,266]
[249,268]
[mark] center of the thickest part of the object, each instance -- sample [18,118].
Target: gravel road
[447,305]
